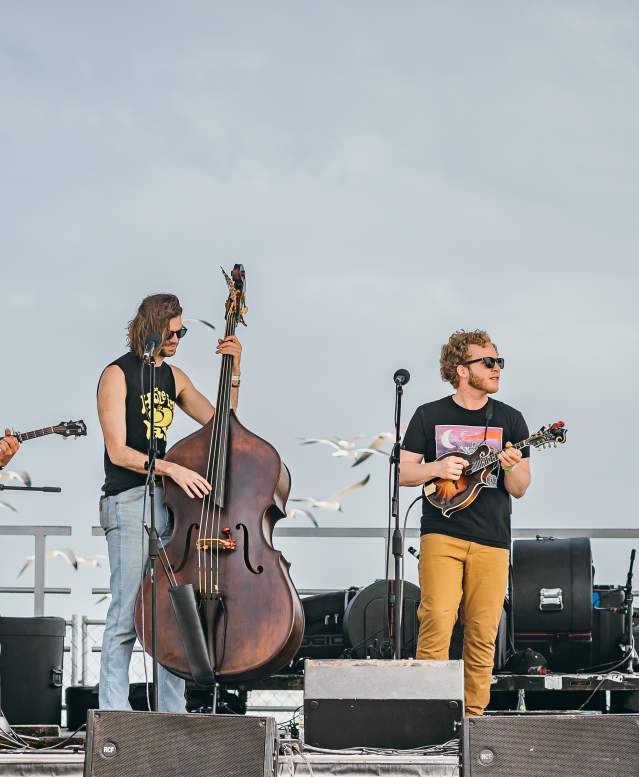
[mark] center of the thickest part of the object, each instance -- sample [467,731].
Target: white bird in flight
[346,449]
[373,447]
[336,442]
[294,512]
[333,502]
[67,554]
[17,477]
[198,321]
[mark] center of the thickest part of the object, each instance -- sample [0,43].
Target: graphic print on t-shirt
[466,439]
[163,415]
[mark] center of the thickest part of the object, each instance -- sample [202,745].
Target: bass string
[217,444]
[212,463]
[227,368]
[203,533]
[203,530]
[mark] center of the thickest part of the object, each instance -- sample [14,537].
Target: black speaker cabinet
[163,744]
[375,703]
[31,651]
[551,746]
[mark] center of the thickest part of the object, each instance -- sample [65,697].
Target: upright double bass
[226,606]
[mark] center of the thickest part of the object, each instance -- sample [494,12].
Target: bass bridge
[225,542]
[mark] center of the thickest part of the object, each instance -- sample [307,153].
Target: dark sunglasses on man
[179,334]
[489,361]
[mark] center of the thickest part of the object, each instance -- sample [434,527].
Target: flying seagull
[346,449]
[340,451]
[373,447]
[294,512]
[198,321]
[17,477]
[333,502]
[73,559]
[335,442]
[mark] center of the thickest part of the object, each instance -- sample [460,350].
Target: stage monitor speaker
[583,745]
[164,744]
[366,622]
[376,703]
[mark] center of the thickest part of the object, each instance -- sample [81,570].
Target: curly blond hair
[153,315]
[455,351]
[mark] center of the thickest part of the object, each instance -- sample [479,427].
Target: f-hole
[245,546]
[187,546]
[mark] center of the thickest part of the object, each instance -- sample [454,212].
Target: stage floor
[53,764]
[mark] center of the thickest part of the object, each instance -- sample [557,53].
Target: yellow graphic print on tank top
[163,413]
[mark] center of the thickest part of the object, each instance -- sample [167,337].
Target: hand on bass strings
[510,456]
[8,447]
[451,467]
[231,346]
[192,483]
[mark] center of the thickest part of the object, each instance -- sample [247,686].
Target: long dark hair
[153,315]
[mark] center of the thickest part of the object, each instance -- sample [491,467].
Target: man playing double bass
[124,403]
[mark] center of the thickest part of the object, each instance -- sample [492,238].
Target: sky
[387,173]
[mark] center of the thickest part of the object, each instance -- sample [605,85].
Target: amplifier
[376,703]
[164,744]
[583,745]
[31,651]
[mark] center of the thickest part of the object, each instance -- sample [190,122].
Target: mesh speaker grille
[138,744]
[552,746]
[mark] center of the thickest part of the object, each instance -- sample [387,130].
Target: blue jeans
[121,519]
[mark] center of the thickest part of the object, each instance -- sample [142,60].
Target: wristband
[235,380]
[510,469]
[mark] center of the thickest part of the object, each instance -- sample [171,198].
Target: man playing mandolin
[124,408]
[464,557]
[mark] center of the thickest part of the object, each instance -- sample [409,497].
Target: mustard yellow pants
[454,572]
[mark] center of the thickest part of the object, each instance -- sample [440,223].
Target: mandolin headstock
[555,434]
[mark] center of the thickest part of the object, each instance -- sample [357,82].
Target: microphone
[401,377]
[151,343]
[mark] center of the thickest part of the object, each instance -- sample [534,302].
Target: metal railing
[84,641]
[40,534]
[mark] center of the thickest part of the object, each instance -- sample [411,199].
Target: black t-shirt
[443,426]
[138,426]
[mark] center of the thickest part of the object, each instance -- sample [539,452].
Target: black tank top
[138,427]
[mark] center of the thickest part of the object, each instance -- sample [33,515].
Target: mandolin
[64,428]
[449,496]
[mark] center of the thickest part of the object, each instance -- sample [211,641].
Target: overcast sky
[386,172]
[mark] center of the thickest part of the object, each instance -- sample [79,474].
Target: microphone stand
[152,532]
[628,601]
[394,588]
[46,489]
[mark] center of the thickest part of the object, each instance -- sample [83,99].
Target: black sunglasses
[489,361]
[179,334]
